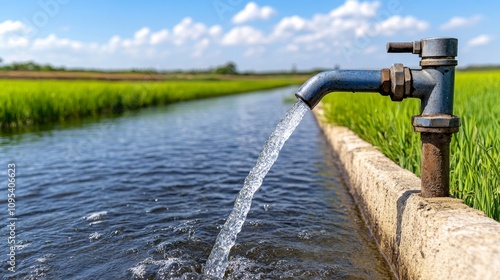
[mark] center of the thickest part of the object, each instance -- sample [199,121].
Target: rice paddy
[26,102]
[475,149]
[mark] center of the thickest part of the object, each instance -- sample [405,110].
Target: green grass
[25,102]
[475,149]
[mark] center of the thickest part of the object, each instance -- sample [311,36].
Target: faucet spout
[312,91]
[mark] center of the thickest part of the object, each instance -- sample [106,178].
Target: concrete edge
[438,238]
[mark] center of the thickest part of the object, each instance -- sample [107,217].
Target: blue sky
[256,35]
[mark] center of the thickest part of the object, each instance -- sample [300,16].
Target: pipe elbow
[314,89]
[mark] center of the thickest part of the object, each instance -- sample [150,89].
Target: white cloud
[52,42]
[243,35]
[288,26]
[458,22]
[354,25]
[12,35]
[188,30]
[141,36]
[10,26]
[113,44]
[352,8]
[187,35]
[17,42]
[350,30]
[480,40]
[342,25]
[200,47]
[159,37]
[252,11]
[215,30]
[396,24]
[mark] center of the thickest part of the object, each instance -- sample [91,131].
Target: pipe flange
[436,123]
[385,83]
[439,47]
[397,82]
[417,47]
[449,130]
[438,62]
[408,81]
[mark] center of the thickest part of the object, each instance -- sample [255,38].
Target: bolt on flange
[400,82]
[436,123]
[385,84]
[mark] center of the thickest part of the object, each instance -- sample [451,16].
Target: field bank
[438,238]
[26,102]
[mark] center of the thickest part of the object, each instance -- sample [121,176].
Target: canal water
[144,195]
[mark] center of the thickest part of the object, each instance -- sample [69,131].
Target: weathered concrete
[422,238]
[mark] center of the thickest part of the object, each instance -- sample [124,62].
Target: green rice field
[26,102]
[475,149]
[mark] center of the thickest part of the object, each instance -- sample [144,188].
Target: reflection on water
[144,195]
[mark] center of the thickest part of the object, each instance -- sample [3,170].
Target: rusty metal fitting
[385,83]
[417,47]
[426,48]
[433,84]
[438,62]
[435,172]
[414,47]
[436,123]
[408,81]
[399,47]
[397,82]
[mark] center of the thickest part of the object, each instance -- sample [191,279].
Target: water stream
[217,261]
[143,195]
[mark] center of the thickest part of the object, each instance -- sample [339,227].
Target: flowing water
[144,195]
[217,261]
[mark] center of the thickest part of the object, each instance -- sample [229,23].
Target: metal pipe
[433,85]
[312,91]
[400,47]
[435,172]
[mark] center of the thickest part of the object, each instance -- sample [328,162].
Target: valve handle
[400,47]
[404,47]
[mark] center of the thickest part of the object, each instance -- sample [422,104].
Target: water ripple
[143,196]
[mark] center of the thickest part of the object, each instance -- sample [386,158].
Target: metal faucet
[433,84]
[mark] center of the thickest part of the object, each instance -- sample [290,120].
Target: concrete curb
[439,238]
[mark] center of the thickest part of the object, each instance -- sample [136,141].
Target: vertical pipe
[435,171]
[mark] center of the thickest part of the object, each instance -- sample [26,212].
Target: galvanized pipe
[433,85]
[435,171]
[312,91]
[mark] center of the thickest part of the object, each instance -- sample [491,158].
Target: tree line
[229,68]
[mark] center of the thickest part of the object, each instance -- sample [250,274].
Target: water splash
[218,259]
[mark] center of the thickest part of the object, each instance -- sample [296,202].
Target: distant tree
[228,68]
[47,67]
[1,60]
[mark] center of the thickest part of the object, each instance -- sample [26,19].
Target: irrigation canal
[144,195]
